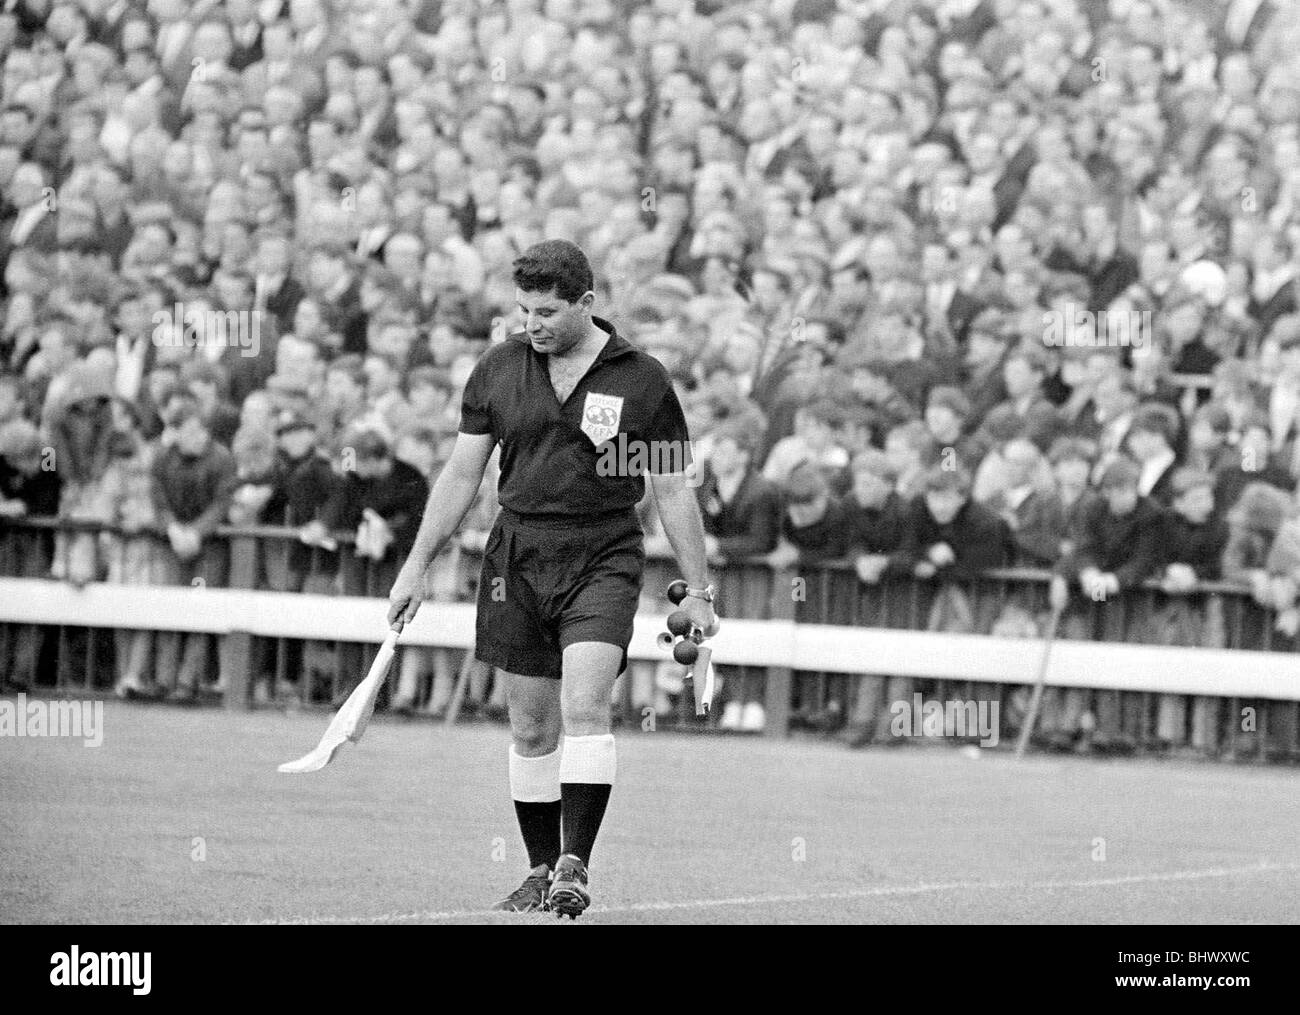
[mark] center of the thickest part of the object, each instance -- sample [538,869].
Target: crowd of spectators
[859,233]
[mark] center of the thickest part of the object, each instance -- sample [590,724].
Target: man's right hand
[405,598]
[870,566]
[1058,593]
[314,533]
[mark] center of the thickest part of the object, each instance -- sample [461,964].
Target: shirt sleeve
[668,424]
[475,415]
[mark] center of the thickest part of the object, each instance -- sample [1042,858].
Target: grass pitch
[181,817]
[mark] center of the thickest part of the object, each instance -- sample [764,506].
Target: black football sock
[539,823]
[584,809]
[586,780]
[535,788]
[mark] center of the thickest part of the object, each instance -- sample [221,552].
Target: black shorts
[547,584]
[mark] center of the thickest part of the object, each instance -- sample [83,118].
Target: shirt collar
[1152,470]
[616,346]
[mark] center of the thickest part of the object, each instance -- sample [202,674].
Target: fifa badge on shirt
[600,416]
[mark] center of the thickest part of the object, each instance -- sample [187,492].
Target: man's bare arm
[449,500]
[680,514]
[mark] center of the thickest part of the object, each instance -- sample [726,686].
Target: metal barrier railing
[270,558]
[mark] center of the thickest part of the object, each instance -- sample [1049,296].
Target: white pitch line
[859,893]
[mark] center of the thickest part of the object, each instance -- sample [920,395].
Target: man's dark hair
[349,57]
[740,432]
[958,479]
[181,408]
[429,376]
[554,264]
[1157,418]
[350,364]
[835,333]
[531,167]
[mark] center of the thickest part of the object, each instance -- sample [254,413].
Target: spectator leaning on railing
[194,479]
[27,489]
[740,508]
[1121,543]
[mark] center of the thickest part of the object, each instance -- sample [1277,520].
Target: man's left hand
[701,613]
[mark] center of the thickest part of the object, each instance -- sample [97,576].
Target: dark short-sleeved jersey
[587,456]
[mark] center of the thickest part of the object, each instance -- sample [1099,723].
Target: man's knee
[587,719]
[587,708]
[534,732]
[534,709]
[590,670]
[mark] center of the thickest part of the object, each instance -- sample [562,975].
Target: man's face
[1196,505]
[306,319]
[25,189]
[394,341]
[212,43]
[942,422]
[1254,447]
[192,437]
[160,382]
[1145,444]
[419,453]
[882,259]
[740,354]
[867,385]
[1110,395]
[721,78]
[943,505]
[673,210]
[901,454]
[728,458]
[428,399]
[768,292]
[815,431]
[437,224]
[936,265]
[273,256]
[368,85]
[869,489]
[380,377]
[554,325]
[374,466]
[28,464]
[1204,437]
[1071,472]
[402,255]
[1013,247]
[1121,499]
[298,442]
[1184,323]
[340,387]
[982,153]
[1021,463]
[1019,377]
[324,270]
